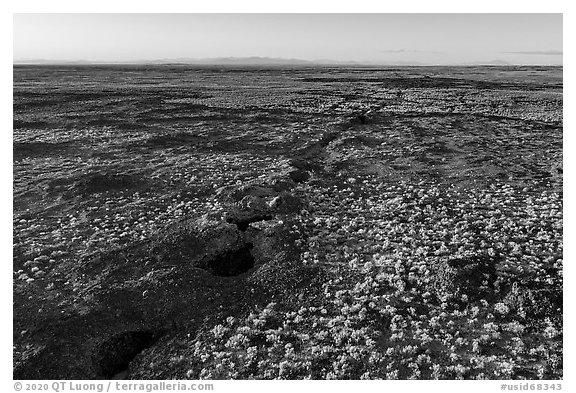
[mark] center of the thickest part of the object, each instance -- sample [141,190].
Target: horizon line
[263,60]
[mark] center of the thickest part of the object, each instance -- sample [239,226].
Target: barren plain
[176,222]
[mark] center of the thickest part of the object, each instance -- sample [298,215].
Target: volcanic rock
[286,203]
[471,276]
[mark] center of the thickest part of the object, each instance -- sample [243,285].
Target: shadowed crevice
[114,355]
[232,263]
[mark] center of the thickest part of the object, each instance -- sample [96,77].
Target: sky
[379,38]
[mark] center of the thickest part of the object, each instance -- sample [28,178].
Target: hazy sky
[427,38]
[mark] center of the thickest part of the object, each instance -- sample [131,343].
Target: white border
[303,6]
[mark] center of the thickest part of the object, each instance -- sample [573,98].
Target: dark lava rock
[309,159]
[361,118]
[270,238]
[283,274]
[237,193]
[201,243]
[102,182]
[299,176]
[27,149]
[280,184]
[250,209]
[286,203]
[177,139]
[266,189]
[534,300]
[473,276]
[303,164]
[265,242]
[114,355]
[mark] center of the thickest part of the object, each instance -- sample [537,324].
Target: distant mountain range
[253,61]
[257,61]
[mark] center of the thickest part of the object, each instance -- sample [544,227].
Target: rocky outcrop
[250,209]
[119,307]
[473,276]
[199,243]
